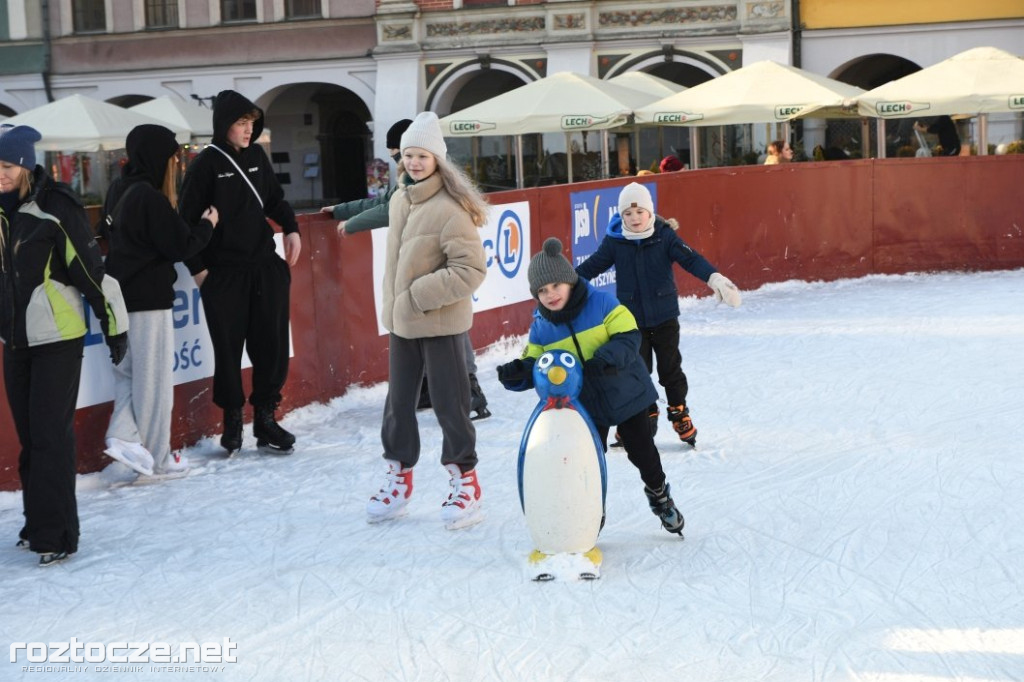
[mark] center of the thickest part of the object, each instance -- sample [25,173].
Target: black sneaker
[270,437]
[665,509]
[232,438]
[51,558]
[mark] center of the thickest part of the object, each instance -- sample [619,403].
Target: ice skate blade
[391,516]
[160,478]
[465,522]
[271,449]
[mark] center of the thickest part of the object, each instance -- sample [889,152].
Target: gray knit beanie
[425,132]
[550,267]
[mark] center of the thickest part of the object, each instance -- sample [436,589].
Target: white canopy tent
[81,124]
[562,102]
[178,112]
[764,91]
[979,81]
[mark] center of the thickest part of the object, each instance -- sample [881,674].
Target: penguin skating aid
[562,475]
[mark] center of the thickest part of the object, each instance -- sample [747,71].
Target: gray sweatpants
[443,360]
[144,385]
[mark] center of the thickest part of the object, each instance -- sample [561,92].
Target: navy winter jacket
[644,280]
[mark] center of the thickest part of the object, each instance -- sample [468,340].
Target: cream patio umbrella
[979,81]
[562,102]
[761,92]
[175,111]
[656,87]
[81,124]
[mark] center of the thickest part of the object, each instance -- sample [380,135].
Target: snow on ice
[853,512]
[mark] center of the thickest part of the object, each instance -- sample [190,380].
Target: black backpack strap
[107,223]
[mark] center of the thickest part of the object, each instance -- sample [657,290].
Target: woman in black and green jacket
[49,260]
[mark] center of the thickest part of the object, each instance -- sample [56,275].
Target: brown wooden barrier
[758,224]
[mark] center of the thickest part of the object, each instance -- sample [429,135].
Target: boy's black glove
[516,375]
[118,347]
[597,367]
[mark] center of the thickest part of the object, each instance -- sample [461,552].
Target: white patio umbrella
[176,111]
[645,82]
[761,92]
[657,88]
[562,102]
[979,81]
[81,124]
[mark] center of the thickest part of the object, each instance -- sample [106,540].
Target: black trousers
[663,341]
[42,388]
[443,361]
[638,442]
[248,307]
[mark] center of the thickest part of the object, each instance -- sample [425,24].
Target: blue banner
[592,211]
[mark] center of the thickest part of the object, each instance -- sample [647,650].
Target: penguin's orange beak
[557,375]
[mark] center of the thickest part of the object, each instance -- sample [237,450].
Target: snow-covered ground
[854,512]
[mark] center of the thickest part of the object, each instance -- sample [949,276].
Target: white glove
[724,290]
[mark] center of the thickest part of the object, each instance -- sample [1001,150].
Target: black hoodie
[244,238]
[148,236]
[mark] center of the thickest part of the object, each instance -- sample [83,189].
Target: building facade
[332,75]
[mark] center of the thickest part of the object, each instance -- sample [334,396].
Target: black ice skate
[679,416]
[665,509]
[270,437]
[232,438]
[479,400]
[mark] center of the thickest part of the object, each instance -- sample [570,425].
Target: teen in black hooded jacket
[244,283]
[147,237]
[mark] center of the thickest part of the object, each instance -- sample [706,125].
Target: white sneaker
[463,507]
[391,500]
[133,455]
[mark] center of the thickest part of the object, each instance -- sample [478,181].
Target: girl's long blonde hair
[170,188]
[461,188]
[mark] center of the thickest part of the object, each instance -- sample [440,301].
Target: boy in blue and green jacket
[574,316]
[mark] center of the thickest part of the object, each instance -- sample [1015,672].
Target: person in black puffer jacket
[49,261]
[146,238]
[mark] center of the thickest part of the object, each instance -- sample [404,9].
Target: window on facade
[301,9]
[161,13]
[237,10]
[89,16]
[484,3]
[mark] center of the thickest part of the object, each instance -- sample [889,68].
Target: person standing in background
[945,128]
[779,151]
[244,283]
[49,261]
[146,237]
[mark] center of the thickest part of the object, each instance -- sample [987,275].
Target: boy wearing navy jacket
[643,247]
[574,316]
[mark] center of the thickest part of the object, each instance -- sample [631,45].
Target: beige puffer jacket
[434,263]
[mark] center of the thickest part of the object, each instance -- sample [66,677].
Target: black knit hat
[549,267]
[394,138]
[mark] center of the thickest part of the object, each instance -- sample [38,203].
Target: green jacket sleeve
[369,219]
